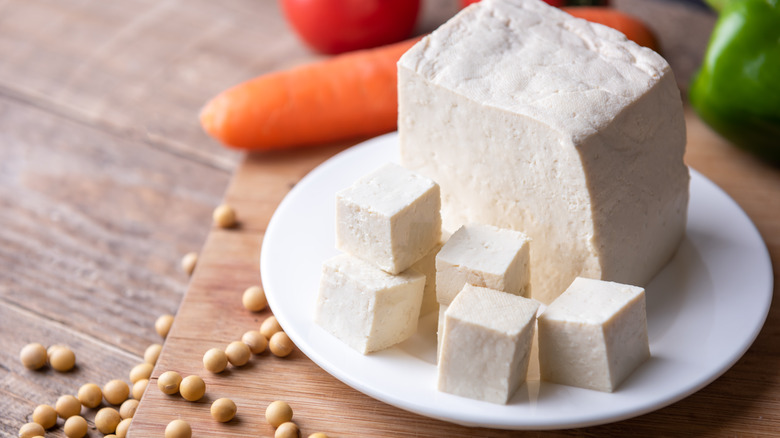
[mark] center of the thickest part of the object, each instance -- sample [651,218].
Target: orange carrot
[347,96]
[633,28]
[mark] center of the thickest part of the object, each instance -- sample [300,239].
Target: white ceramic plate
[704,310]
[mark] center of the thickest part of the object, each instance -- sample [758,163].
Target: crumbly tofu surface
[483,255]
[365,307]
[533,120]
[390,217]
[594,335]
[486,344]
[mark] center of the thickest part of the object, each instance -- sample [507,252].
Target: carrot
[346,96]
[633,28]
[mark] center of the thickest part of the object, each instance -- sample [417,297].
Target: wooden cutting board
[211,315]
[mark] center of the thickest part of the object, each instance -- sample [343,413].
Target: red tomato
[335,26]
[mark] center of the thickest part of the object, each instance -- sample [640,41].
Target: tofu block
[594,335]
[366,307]
[486,345]
[390,217]
[483,255]
[427,266]
[440,330]
[533,120]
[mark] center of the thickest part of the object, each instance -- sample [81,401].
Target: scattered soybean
[255,340]
[215,360]
[169,382]
[254,299]
[33,356]
[178,429]
[163,325]
[278,412]
[223,410]
[192,388]
[270,326]
[238,353]
[280,344]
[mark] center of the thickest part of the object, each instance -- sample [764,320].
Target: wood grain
[141,68]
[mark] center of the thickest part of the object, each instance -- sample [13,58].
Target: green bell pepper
[737,89]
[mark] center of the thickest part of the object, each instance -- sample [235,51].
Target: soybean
[224,216]
[31,430]
[90,395]
[168,382]
[192,388]
[61,358]
[280,344]
[45,415]
[178,429]
[287,430]
[116,391]
[106,420]
[139,387]
[141,371]
[223,410]
[254,299]
[68,406]
[152,353]
[33,356]
[188,262]
[163,325]
[215,360]
[238,353]
[270,326]
[255,340]
[128,408]
[278,412]
[75,427]
[123,427]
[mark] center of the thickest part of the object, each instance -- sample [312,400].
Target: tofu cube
[594,335]
[486,345]
[366,307]
[390,218]
[427,266]
[440,330]
[483,255]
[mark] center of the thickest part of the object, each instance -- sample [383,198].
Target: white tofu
[365,307]
[486,345]
[594,335]
[483,255]
[533,120]
[440,330]
[427,266]
[390,217]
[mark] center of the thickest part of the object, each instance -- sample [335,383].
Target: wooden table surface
[106,180]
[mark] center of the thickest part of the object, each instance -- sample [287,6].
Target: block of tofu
[533,120]
[427,266]
[486,344]
[594,335]
[390,217]
[440,329]
[366,307]
[483,255]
